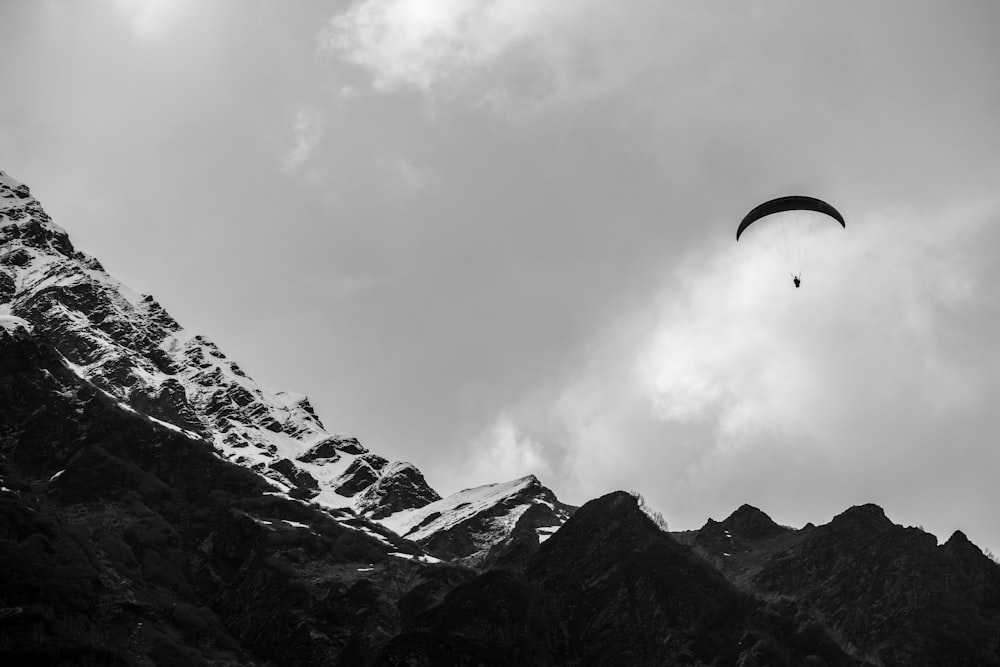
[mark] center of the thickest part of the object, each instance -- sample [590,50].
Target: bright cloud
[872,379]
[742,347]
[521,50]
[422,42]
[150,18]
[503,452]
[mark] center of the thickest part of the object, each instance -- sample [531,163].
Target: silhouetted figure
[797,281]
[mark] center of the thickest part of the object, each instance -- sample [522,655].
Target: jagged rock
[361,474]
[750,523]
[298,477]
[327,450]
[126,542]
[129,346]
[467,525]
[169,403]
[350,446]
[890,594]
[18,257]
[7,287]
[400,487]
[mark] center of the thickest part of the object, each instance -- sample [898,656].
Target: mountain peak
[22,217]
[868,516]
[467,524]
[750,523]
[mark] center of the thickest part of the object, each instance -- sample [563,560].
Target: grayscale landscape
[499,332]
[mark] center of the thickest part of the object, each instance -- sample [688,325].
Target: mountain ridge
[128,345]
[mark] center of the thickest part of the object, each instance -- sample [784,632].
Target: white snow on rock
[417,524]
[545,532]
[125,344]
[135,352]
[11,323]
[423,558]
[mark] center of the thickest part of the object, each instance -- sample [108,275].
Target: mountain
[610,588]
[486,525]
[127,541]
[127,345]
[890,595]
[160,507]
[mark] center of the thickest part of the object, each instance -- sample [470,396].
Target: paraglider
[796,226]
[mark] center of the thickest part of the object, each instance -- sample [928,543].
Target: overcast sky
[496,237]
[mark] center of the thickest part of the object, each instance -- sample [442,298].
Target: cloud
[511,57]
[871,382]
[420,43]
[402,176]
[307,132]
[151,18]
[502,452]
[740,347]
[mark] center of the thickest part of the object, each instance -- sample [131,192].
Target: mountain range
[160,507]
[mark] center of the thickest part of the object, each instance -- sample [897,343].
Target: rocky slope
[890,595]
[127,541]
[487,525]
[130,347]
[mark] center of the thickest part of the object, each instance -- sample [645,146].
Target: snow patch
[11,323]
[423,558]
[458,507]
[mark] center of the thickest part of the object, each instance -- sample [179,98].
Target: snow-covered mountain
[127,345]
[481,525]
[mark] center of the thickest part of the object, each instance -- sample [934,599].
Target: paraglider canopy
[794,217]
[790,203]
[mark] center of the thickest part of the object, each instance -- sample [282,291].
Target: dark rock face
[303,481]
[126,542]
[324,451]
[889,594]
[169,403]
[609,588]
[361,474]
[750,523]
[128,346]
[400,487]
[486,526]
[7,287]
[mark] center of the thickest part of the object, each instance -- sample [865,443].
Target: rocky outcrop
[473,526]
[124,541]
[399,487]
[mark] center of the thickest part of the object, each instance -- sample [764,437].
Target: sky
[497,237]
